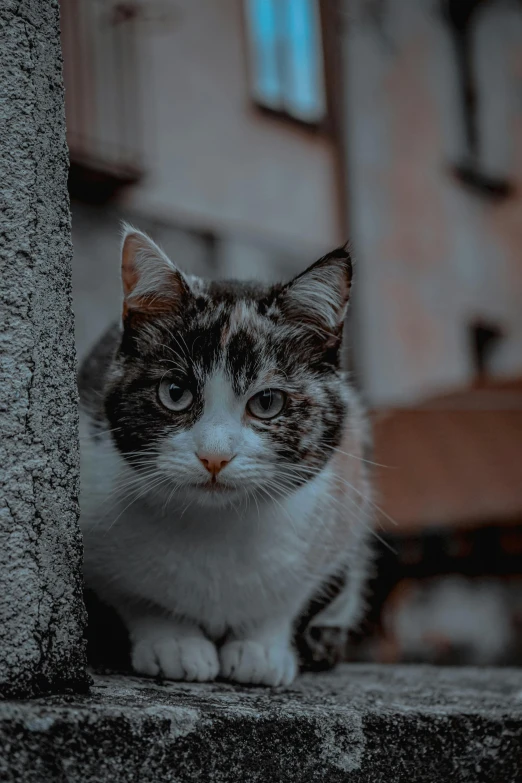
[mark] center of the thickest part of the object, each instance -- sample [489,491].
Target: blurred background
[249,137]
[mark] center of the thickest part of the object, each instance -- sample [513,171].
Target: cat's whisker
[133,483]
[360,459]
[186,509]
[185,348]
[125,482]
[178,363]
[257,506]
[185,344]
[98,433]
[144,491]
[347,483]
[285,489]
[170,350]
[360,518]
[107,449]
[263,488]
[174,489]
[366,499]
[114,496]
[173,366]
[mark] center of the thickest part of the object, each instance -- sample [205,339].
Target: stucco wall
[41,608]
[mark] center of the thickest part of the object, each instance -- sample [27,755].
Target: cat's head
[222,390]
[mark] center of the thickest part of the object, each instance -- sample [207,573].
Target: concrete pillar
[41,607]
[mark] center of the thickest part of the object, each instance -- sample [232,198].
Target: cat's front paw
[194,659]
[257,663]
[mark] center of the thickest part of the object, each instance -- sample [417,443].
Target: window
[286,57]
[480,47]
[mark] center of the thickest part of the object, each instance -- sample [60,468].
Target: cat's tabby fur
[213,532]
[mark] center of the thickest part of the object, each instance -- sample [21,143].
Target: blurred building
[434,147]
[435,162]
[249,137]
[210,124]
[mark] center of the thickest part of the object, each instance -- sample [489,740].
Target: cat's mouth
[215,487]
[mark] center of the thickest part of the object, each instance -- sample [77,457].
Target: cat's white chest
[220,567]
[221,578]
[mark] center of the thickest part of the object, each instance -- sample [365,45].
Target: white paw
[256,663]
[191,658]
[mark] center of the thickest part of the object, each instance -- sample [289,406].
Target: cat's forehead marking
[245,355]
[241,312]
[243,315]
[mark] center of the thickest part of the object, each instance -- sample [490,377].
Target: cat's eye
[174,397]
[266,404]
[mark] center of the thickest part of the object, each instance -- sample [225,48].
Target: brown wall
[433,255]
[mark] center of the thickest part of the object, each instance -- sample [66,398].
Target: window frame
[326,12]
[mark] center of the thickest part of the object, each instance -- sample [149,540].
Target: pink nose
[214,464]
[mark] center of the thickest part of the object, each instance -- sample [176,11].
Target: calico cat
[224,485]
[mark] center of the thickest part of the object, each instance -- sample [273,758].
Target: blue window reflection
[286,57]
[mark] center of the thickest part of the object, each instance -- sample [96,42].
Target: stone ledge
[359,723]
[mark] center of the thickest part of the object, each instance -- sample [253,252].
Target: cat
[224,487]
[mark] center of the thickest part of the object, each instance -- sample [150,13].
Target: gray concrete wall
[41,608]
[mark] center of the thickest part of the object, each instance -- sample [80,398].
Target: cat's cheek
[177,455]
[256,445]
[254,456]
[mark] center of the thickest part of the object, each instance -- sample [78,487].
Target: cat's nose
[214,463]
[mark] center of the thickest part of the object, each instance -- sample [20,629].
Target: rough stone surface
[359,723]
[41,610]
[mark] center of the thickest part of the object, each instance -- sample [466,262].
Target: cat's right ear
[152,285]
[319,295]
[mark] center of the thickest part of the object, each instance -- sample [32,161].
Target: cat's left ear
[319,296]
